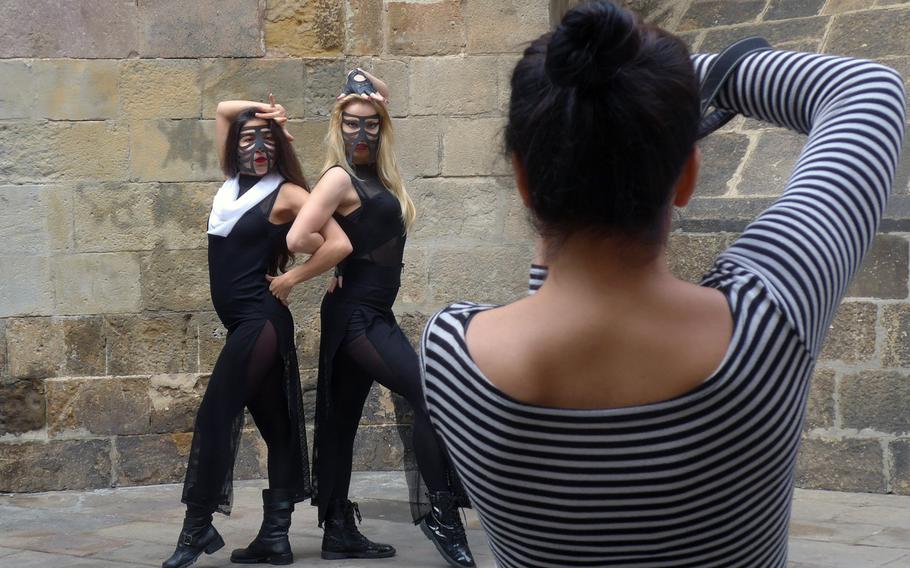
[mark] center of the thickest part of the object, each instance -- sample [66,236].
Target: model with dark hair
[620,416]
[361,341]
[257,368]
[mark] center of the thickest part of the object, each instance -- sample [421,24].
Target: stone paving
[137,526]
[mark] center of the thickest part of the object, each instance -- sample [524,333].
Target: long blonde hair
[386,162]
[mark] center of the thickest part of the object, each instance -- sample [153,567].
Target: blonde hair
[386,163]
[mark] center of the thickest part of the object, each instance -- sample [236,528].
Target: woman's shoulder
[453,317]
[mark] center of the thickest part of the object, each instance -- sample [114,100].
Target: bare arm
[304,235]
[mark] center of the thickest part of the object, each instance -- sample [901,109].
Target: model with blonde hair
[361,341]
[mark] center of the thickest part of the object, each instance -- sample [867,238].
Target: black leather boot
[271,545]
[341,539]
[442,525]
[197,536]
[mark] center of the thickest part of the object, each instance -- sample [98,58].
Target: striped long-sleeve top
[704,479]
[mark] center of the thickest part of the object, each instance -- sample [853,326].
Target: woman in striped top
[653,422]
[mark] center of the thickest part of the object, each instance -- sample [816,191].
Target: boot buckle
[186,539]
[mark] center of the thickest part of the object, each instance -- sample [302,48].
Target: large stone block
[160,88]
[151,343]
[98,405]
[55,466]
[895,322]
[51,347]
[482,274]
[35,219]
[821,411]
[251,456]
[381,407]
[721,156]
[308,144]
[175,280]
[68,89]
[395,74]
[364,27]
[784,9]
[50,28]
[884,270]
[180,214]
[414,276]
[518,226]
[211,335]
[460,208]
[851,337]
[174,150]
[418,143]
[412,324]
[871,34]
[505,26]
[428,28]
[17,90]
[505,67]
[113,217]
[474,146]
[36,297]
[307,336]
[43,152]
[174,401]
[228,28]
[454,85]
[710,13]
[21,406]
[96,283]
[771,162]
[253,79]
[876,399]
[323,82]
[4,357]
[841,465]
[784,34]
[381,448]
[690,256]
[900,452]
[304,29]
[155,458]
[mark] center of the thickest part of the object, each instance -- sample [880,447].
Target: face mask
[255,139]
[367,133]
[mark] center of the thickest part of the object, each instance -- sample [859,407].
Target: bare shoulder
[335,178]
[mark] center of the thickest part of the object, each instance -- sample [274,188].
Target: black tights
[395,367]
[259,386]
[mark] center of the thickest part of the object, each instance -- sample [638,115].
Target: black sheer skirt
[257,369]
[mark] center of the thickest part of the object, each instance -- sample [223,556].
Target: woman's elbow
[303,244]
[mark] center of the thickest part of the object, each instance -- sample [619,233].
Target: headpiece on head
[253,139]
[358,84]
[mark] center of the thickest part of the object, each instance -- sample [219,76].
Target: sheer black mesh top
[375,229]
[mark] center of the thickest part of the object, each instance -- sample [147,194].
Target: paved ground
[138,527]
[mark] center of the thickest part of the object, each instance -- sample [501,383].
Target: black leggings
[259,387]
[357,364]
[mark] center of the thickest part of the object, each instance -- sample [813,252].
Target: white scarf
[227,208]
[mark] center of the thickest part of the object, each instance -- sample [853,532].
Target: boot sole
[212,548]
[274,560]
[427,533]
[326,555]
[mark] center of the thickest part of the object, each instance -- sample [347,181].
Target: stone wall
[107,171]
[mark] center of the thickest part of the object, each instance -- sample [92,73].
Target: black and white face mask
[362,132]
[255,151]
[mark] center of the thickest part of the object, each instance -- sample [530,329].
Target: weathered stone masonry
[107,171]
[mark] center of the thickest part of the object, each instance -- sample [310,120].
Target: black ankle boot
[197,536]
[442,525]
[341,539]
[271,545]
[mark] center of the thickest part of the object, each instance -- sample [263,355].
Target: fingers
[288,135]
[269,277]
[332,283]
[271,99]
[340,281]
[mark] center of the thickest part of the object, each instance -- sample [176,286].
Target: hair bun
[591,44]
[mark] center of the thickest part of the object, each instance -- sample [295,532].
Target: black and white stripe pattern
[536,276]
[704,479]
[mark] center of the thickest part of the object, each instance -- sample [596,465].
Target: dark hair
[285,161]
[603,115]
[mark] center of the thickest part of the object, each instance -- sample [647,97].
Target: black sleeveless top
[375,229]
[239,262]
